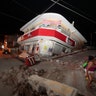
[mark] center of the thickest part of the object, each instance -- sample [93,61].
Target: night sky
[15,13]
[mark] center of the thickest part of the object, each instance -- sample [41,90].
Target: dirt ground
[67,69]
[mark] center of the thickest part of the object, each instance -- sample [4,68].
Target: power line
[21,5]
[50,6]
[8,15]
[74,7]
[74,12]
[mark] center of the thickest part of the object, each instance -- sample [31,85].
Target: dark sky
[15,13]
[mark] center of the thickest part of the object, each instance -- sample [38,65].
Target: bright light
[3,46]
[5,42]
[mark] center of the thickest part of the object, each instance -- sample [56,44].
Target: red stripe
[71,42]
[46,32]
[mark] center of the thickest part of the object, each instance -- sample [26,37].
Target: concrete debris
[17,78]
[51,87]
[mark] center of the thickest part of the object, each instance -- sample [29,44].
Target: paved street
[6,62]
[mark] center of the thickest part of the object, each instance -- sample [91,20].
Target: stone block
[52,87]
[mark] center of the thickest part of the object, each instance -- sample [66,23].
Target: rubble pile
[17,78]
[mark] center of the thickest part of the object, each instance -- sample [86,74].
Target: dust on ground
[67,70]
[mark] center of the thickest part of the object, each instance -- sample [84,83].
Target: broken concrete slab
[51,87]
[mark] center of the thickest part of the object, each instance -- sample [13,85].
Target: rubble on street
[17,78]
[67,71]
